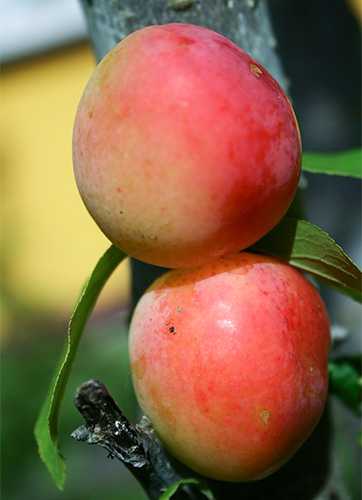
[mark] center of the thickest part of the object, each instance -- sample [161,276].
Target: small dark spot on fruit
[121,212]
[90,114]
[172,330]
[264,416]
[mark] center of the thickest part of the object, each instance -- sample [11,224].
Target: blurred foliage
[28,365]
[345,381]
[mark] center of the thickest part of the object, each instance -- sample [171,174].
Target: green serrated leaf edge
[329,263]
[345,163]
[46,427]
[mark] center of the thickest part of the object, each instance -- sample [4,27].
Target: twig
[136,446]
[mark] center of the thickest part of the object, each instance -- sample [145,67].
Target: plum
[184,147]
[229,362]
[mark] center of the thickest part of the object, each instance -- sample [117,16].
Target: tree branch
[246,22]
[136,446]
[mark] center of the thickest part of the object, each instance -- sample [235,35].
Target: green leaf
[171,490]
[311,249]
[345,382]
[347,163]
[46,428]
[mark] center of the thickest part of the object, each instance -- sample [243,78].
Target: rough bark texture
[136,446]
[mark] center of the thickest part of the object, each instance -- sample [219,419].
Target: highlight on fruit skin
[184,147]
[229,362]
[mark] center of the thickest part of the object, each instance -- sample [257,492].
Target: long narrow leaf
[346,163]
[311,249]
[46,428]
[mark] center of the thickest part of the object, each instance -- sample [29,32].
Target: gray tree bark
[246,22]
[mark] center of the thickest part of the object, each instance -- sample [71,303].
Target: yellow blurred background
[356,6]
[49,243]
